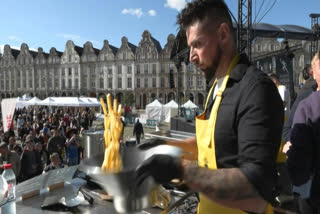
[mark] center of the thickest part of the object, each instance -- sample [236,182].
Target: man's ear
[224,32]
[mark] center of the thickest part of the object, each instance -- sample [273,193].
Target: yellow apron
[206,147]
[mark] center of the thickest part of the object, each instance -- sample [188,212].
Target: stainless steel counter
[33,206]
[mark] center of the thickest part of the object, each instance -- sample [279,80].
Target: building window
[70,72]
[63,84]
[146,68]
[84,78]
[190,82]
[119,82]
[129,69]
[18,79]
[101,82]
[190,67]
[56,83]
[129,82]
[162,82]
[145,82]
[119,69]
[101,71]
[43,81]
[110,83]
[124,55]
[62,72]
[110,69]
[76,72]
[179,80]
[76,83]
[70,83]
[199,81]
[138,82]
[93,83]
[30,79]
[138,69]
[154,69]
[154,82]
[163,68]
[50,81]
[69,57]
[258,47]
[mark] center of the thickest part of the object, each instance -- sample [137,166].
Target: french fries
[112,133]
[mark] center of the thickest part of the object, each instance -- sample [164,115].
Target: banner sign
[7,107]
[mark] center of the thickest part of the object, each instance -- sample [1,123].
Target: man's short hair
[3,145]
[306,72]
[273,76]
[54,155]
[199,10]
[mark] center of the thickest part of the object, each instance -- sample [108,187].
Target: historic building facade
[144,72]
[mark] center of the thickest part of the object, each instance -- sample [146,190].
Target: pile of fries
[112,132]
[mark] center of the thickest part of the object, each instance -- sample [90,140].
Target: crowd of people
[44,138]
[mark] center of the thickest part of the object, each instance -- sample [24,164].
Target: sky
[51,23]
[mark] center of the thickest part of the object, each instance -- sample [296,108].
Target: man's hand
[163,168]
[151,143]
[286,147]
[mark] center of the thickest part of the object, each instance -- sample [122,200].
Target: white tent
[21,103]
[171,104]
[70,101]
[47,102]
[169,110]
[189,104]
[33,101]
[154,110]
[26,97]
[91,101]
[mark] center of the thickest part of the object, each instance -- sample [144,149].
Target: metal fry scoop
[127,196]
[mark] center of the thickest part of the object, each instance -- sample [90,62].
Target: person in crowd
[284,93]
[18,149]
[56,143]
[284,185]
[55,163]
[29,162]
[41,157]
[303,153]
[72,148]
[12,143]
[1,133]
[90,117]
[138,131]
[84,121]
[309,86]
[239,133]
[20,123]
[8,156]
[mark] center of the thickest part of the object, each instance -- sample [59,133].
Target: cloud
[152,13]
[1,48]
[69,36]
[131,11]
[14,38]
[175,4]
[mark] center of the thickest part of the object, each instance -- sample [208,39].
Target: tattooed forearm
[223,184]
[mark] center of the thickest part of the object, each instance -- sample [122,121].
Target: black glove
[163,168]
[151,143]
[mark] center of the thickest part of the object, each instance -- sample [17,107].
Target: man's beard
[210,72]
